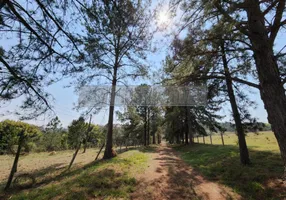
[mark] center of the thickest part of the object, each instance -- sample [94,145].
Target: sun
[163,18]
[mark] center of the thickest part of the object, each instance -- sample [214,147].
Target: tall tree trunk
[154,132]
[177,134]
[211,140]
[145,126]
[108,153]
[186,126]
[87,135]
[244,156]
[271,88]
[15,164]
[148,125]
[204,139]
[191,136]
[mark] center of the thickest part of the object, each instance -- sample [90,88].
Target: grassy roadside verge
[221,163]
[109,179]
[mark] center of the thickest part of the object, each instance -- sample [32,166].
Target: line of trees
[142,122]
[51,138]
[18,137]
[228,43]
[234,42]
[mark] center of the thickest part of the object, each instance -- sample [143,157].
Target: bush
[29,147]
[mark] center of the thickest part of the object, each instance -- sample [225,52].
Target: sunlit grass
[221,163]
[110,179]
[264,141]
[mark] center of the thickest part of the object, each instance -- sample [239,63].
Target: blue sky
[65,98]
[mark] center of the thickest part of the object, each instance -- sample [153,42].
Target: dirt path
[169,177]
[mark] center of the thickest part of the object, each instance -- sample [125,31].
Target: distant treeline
[248,127]
[53,137]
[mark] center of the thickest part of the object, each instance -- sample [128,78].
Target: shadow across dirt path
[169,177]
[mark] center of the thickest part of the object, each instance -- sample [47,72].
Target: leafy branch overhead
[42,46]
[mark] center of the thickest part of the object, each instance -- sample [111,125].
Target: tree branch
[270,7]
[57,24]
[277,21]
[15,75]
[3,3]
[208,77]
[229,18]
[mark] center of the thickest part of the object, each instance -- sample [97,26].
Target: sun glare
[163,18]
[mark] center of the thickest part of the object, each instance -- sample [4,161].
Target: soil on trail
[169,177]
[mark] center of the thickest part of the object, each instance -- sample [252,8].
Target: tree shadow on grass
[44,176]
[149,149]
[221,163]
[87,185]
[91,180]
[180,182]
[144,149]
[173,179]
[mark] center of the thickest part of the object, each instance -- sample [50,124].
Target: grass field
[38,162]
[115,179]
[101,179]
[263,141]
[221,163]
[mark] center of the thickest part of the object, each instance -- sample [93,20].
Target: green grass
[111,179]
[221,163]
[263,141]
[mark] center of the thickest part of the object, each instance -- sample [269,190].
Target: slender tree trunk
[198,139]
[211,139]
[154,137]
[204,139]
[154,132]
[177,135]
[186,126]
[15,164]
[145,126]
[148,126]
[272,91]
[87,135]
[101,150]
[74,155]
[108,153]
[244,156]
[191,136]
[222,140]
